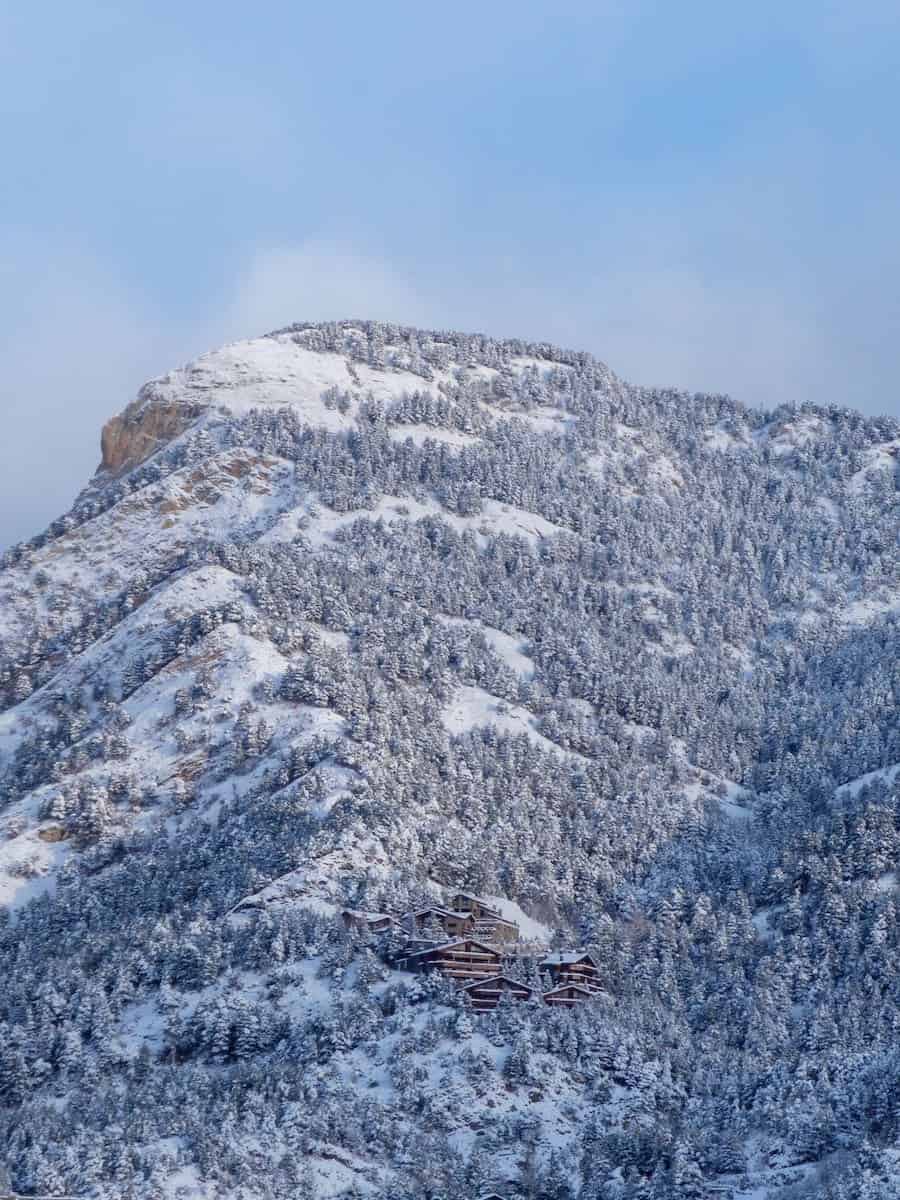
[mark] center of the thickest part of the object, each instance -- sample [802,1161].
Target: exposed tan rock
[52,833]
[147,424]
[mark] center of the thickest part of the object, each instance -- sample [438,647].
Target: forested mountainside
[354,616]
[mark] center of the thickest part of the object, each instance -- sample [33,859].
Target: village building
[489,924]
[367,922]
[485,994]
[463,959]
[567,995]
[496,929]
[466,902]
[573,966]
[452,924]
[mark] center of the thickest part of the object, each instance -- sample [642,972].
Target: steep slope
[352,614]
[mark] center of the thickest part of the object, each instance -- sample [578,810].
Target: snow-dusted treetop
[358,617]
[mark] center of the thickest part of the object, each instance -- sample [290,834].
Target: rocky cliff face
[286,370]
[147,424]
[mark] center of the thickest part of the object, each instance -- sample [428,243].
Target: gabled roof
[471,896]
[478,900]
[437,908]
[568,958]
[456,942]
[569,987]
[477,983]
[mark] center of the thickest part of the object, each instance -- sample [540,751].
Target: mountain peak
[356,618]
[296,366]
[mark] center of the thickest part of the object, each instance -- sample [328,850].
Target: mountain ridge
[354,614]
[284,368]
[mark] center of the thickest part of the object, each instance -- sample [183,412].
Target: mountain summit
[431,766]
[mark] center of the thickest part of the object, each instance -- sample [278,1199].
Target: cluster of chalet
[472,944]
[467,916]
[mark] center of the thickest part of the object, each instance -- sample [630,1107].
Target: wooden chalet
[567,995]
[367,922]
[453,924]
[485,993]
[463,959]
[573,966]
[489,924]
[466,902]
[496,929]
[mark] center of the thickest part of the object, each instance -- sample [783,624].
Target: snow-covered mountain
[355,615]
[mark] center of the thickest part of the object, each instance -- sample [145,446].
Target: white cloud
[75,342]
[80,344]
[674,329]
[320,281]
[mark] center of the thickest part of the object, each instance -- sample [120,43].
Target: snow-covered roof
[569,987]
[567,958]
[497,979]
[437,908]
[456,942]
[471,896]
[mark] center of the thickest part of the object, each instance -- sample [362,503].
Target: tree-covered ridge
[608,652]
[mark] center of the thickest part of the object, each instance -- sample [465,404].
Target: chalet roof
[568,958]
[478,983]
[437,908]
[442,946]
[569,987]
[366,916]
[471,896]
[478,900]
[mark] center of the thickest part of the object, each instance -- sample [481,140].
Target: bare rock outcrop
[147,424]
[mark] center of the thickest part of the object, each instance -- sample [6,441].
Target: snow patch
[529,929]
[278,371]
[861,612]
[473,708]
[852,789]
[28,868]
[507,648]
[884,457]
[335,638]
[420,434]
[320,524]
[783,437]
[723,439]
[546,418]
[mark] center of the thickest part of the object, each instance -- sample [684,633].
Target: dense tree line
[691,628]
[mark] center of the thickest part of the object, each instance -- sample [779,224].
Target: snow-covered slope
[353,615]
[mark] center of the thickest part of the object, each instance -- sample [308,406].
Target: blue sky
[704,195]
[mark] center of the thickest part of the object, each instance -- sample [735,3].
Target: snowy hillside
[354,615]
